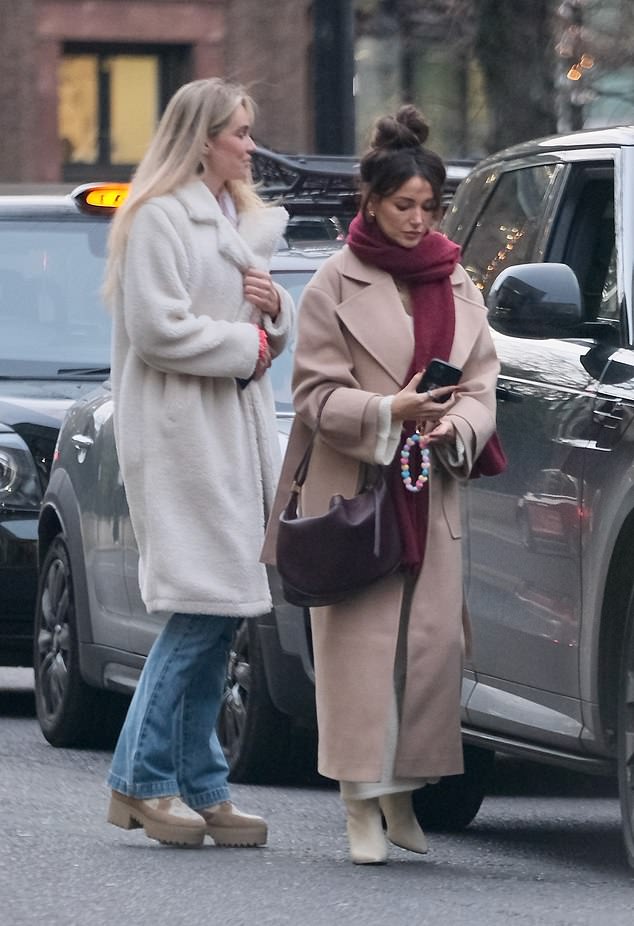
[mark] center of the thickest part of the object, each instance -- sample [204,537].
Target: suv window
[51,313]
[509,226]
[585,240]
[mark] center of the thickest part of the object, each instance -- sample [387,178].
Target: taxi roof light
[100,198]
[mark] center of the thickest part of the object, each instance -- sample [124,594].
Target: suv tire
[70,712]
[625,733]
[453,803]
[255,736]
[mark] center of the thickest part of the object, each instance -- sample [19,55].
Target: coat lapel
[262,229]
[202,207]
[470,312]
[373,313]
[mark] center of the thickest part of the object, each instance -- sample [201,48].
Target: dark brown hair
[397,153]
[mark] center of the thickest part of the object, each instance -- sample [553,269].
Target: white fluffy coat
[199,456]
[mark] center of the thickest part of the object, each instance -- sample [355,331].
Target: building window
[109,102]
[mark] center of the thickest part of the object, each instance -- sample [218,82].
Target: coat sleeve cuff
[281,326]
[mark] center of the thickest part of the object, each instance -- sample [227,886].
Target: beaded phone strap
[416,440]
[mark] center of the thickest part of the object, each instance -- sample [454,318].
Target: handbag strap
[302,469]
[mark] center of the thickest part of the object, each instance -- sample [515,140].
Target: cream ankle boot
[403,829]
[365,832]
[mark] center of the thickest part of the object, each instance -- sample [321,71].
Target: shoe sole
[410,848]
[238,837]
[122,815]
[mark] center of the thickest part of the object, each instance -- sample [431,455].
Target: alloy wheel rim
[53,641]
[233,714]
[627,747]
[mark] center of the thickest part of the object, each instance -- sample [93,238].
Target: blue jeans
[168,744]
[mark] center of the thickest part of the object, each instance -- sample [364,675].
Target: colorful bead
[415,440]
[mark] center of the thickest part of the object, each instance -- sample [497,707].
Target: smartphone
[439,373]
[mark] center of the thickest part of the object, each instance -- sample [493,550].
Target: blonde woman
[197,323]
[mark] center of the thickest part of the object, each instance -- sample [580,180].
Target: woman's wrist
[278,305]
[263,346]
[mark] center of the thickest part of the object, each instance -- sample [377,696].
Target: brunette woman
[388,661]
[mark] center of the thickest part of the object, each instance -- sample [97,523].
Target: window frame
[490,179]
[174,69]
[574,248]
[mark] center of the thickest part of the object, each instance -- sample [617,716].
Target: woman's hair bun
[407,129]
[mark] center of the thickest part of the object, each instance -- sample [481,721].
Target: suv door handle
[82,445]
[504,394]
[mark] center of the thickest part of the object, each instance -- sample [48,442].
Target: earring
[371,214]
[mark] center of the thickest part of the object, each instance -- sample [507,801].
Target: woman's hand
[264,362]
[265,357]
[261,293]
[443,433]
[409,405]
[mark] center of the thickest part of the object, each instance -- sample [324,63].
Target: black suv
[547,232]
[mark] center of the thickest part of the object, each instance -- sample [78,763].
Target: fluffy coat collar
[257,236]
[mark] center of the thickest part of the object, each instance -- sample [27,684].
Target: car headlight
[20,487]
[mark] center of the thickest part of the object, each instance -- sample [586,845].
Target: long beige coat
[353,333]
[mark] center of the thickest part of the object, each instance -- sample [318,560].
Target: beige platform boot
[365,832]
[166,819]
[403,829]
[229,826]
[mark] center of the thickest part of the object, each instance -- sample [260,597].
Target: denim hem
[146,789]
[207,798]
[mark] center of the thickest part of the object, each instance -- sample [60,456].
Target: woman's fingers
[414,381]
[422,406]
[260,291]
[263,364]
[444,432]
[441,394]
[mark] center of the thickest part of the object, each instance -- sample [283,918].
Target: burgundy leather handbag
[325,559]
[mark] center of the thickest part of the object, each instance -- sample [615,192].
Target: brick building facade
[69,100]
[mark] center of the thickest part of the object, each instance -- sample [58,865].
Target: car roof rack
[307,183]
[316,184]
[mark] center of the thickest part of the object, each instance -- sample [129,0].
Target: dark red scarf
[425,269]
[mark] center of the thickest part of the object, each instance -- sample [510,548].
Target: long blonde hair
[198,110]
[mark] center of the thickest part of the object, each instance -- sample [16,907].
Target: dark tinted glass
[508,227]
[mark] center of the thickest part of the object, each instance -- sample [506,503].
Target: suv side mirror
[536,301]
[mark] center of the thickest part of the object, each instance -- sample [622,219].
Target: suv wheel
[254,734]
[625,734]
[70,713]
[452,804]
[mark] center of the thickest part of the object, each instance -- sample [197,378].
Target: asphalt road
[545,849]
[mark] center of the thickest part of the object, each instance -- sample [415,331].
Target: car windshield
[51,315]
